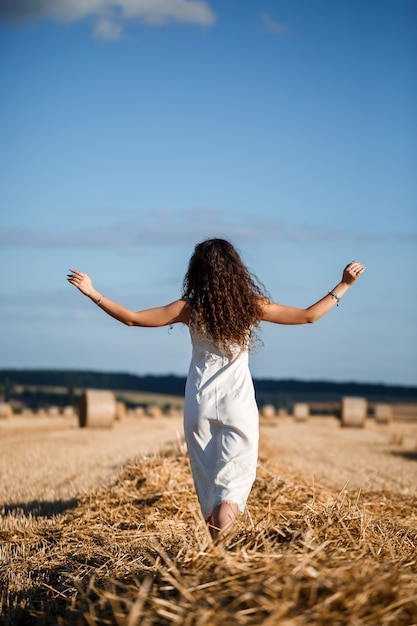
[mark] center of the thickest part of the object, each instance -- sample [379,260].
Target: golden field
[102,527]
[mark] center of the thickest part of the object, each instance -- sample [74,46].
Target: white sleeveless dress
[221,424]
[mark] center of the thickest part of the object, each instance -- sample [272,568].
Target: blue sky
[133,129]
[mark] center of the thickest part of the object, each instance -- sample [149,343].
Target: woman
[222,303]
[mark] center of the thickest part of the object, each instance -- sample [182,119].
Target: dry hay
[301,411]
[383,413]
[353,412]
[153,410]
[121,411]
[97,409]
[136,553]
[268,415]
[268,410]
[6,411]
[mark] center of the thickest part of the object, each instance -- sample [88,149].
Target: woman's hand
[82,282]
[352,272]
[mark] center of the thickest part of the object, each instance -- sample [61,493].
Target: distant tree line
[170,384]
[278,392]
[40,398]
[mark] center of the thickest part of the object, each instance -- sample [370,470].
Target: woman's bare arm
[280,314]
[178,311]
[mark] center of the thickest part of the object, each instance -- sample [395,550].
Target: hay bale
[353,412]
[153,410]
[53,411]
[268,410]
[121,411]
[383,413]
[5,410]
[97,409]
[301,411]
[68,411]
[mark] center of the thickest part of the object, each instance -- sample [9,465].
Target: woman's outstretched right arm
[280,314]
[178,311]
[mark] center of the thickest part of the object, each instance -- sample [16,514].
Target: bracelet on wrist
[334,295]
[99,300]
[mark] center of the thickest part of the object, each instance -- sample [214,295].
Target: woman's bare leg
[224,517]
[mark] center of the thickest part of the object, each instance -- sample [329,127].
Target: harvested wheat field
[329,536]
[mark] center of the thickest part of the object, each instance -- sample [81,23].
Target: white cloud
[162,11]
[107,28]
[272,25]
[185,227]
[110,15]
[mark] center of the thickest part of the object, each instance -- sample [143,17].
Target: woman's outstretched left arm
[280,314]
[178,311]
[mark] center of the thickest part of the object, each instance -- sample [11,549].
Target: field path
[379,457]
[51,458]
[46,459]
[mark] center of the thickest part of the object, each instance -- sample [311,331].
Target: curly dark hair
[224,294]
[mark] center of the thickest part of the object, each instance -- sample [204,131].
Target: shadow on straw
[41,508]
[411,456]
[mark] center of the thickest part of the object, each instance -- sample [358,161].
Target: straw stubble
[137,553]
